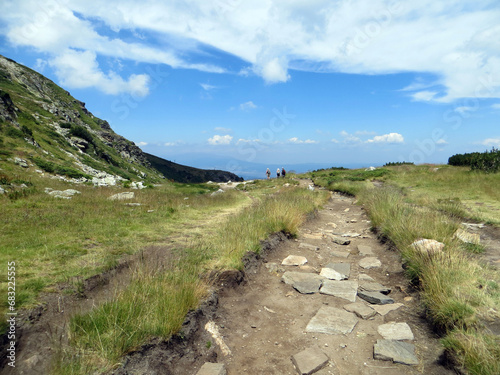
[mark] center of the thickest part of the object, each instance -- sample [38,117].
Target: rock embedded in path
[310,360]
[336,271]
[342,289]
[395,331]
[304,245]
[340,240]
[375,297]
[360,309]
[351,235]
[365,277]
[385,309]
[291,278]
[332,321]
[370,262]
[365,250]
[396,351]
[212,369]
[308,286]
[340,254]
[294,260]
[371,286]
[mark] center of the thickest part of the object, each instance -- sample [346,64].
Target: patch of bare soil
[264,322]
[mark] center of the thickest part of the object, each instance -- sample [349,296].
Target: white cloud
[140,144]
[491,142]
[243,140]
[76,69]
[208,87]
[296,140]
[495,106]
[464,109]
[455,41]
[349,138]
[247,106]
[220,140]
[387,138]
[168,144]
[441,142]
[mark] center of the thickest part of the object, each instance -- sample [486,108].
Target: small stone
[371,286]
[341,241]
[385,309]
[308,246]
[332,225]
[340,254]
[351,235]
[309,361]
[395,331]
[347,210]
[212,369]
[370,262]
[396,351]
[365,250]
[294,260]
[375,297]
[122,196]
[361,310]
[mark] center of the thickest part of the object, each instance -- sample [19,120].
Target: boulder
[122,196]
[427,246]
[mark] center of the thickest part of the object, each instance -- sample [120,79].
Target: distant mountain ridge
[47,128]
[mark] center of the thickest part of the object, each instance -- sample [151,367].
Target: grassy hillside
[460,291]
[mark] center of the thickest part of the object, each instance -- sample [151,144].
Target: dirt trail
[263,323]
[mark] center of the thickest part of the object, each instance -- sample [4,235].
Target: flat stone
[304,245]
[291,278]
[351,235]
[365,277]
[310,360]
[340,254]
[375,297]
[396,351]
[371,286]
[294,260]
[122,196]
[344,289]
[361,309]
[395,331]
[308,286]
[343,269]
[332,321]
[332,274]
[365,250]
[313,236]
[212,369]
[385,309]
[466,237]
[340,240]
[370,262]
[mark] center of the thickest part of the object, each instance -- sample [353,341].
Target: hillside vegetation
[460,292]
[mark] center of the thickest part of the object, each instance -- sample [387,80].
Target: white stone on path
[365,250]
[332,321]
[395,331]
[294,260]
[370,262]
[310,360]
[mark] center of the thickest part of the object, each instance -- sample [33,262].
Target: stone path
[333,301]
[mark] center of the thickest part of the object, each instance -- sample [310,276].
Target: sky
[244,84]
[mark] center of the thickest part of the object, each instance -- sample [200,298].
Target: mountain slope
[43,126]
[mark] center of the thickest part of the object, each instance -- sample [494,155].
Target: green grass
[460,293]
[156,301]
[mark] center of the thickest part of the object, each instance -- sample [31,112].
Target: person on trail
[283,172]
[268,173]
[278,173]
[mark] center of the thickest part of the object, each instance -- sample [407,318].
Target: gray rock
[122,196]
[308,246]
[396,351]
[133,204]
[365,250]
[427,246]
[342,289]
[294,260]
[309,360]
[370,262]
[332,321]
[473,226]
[212,369]
[351,235]
[308,286]
[361,310]
[375,297]
[466,237]
[2,191]
[365,277]
[220,191]
[336,271]
[21,162]
[340,254]
[395,331]
[371,286]
[385,309]
[340,240]
[291,278]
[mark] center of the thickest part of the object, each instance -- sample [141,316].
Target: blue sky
[234,84]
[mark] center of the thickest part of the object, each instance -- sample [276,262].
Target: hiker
[278,173]
[268,173]
[283,172]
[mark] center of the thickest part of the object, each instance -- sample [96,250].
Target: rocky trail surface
[332,301]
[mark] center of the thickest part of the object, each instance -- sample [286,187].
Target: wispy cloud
[140,144]
[223,130]
[465,109]
[491,142]
[495,106]
[247,106]
[387,138]
[220,140]
[424,96]
[208,87]
[296,140]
